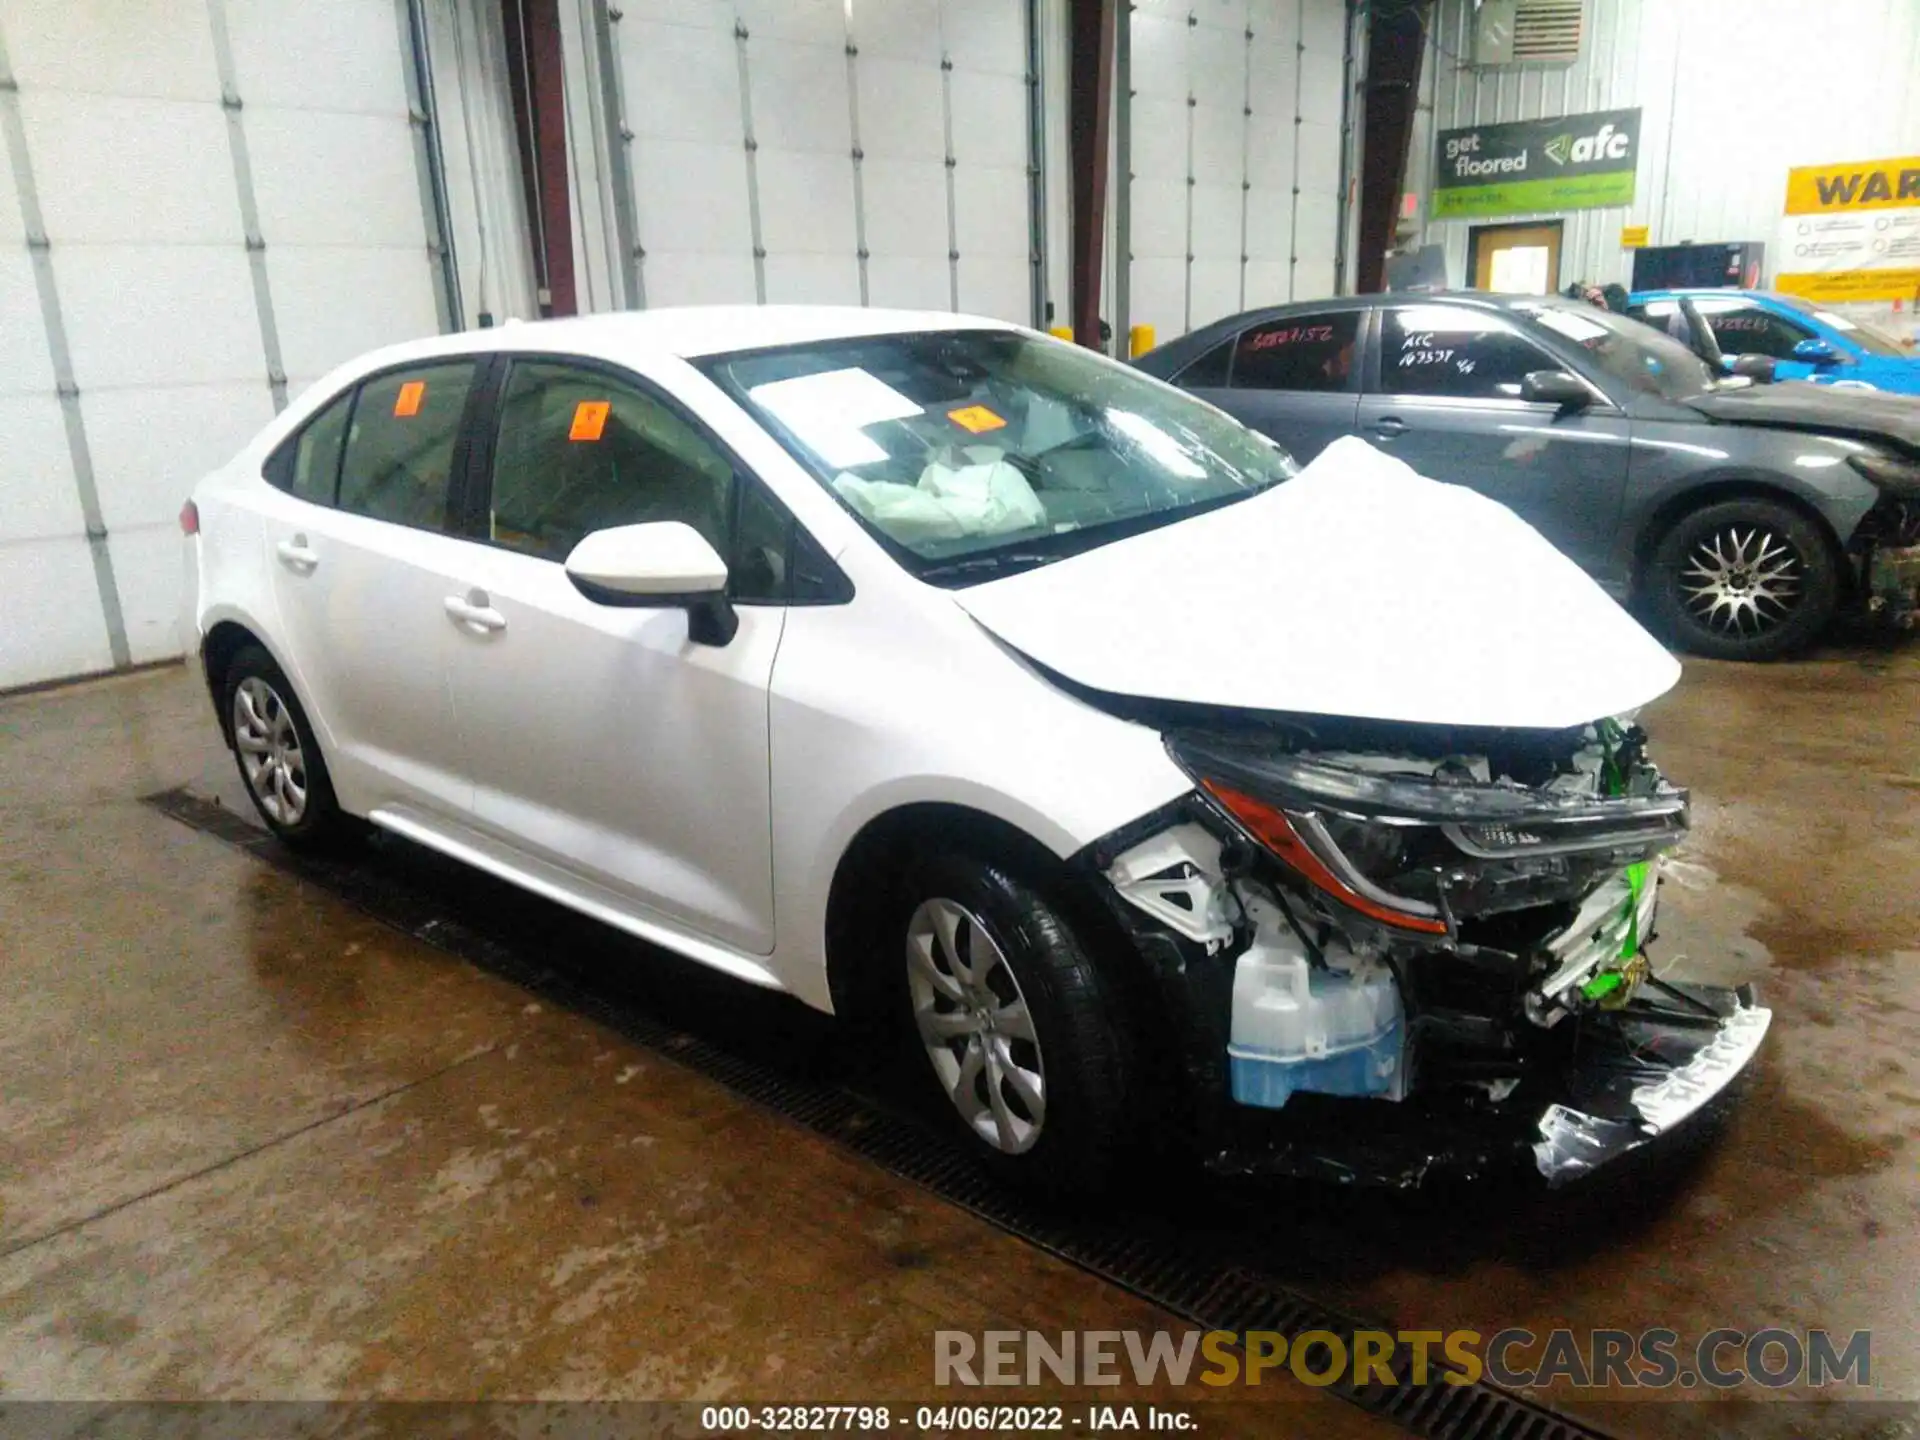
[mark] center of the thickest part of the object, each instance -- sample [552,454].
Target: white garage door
[816,151]
[146,337]
[1235,167]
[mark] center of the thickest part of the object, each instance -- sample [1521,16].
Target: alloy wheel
[270,755]
[1741,580]
[975,1024]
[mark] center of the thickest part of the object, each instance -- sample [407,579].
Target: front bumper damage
[1893,584]
[1424,956]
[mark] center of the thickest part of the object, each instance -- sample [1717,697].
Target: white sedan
[932,670]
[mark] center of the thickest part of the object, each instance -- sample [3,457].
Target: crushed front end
[1399,949]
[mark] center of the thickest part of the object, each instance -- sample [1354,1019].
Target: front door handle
[295,555]
[1387,426]
[475,610]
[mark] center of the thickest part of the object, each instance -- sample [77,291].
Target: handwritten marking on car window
[1292,335]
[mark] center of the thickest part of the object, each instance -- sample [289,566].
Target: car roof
[1209,334]
[687,332]
[1710,291]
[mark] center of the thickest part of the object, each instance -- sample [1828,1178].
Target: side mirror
[1815,351]
[1556,388]
[664,564]
[1757,368]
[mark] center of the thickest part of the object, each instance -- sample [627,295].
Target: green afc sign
[1573,162]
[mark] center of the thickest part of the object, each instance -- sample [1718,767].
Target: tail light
[189,519]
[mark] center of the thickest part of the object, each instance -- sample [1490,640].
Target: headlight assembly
[1415,851]
[1894,474]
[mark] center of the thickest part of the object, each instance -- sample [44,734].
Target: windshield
[977,452]
[1640,356]
[1869,339]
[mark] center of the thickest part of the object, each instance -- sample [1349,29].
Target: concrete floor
[255,1144]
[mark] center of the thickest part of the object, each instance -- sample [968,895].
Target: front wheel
[1015,1023]
[1746,579]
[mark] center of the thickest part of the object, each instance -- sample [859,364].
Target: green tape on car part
[1636,886]
[1603,984]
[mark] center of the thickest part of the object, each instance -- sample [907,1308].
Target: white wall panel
[112,169]
[331,179]
[134,164]
[41,503]
[158,49]
[53,606]
[151,608]
[1733,94]
[391,300]
[334,57]
[1218,148]
[703,202]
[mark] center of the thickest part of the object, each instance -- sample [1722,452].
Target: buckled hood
[1356,589]
[1829,409]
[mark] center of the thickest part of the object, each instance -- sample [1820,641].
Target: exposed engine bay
[1393,912]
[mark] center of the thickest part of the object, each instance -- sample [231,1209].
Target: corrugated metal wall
[1733,93]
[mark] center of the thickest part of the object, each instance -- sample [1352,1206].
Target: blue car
[1806,342]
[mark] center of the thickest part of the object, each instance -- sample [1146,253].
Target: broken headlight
[1416,849]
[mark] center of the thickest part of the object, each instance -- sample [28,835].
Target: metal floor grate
[1201,1289]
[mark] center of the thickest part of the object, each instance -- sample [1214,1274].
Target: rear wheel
[1746,579]
[279,759]
[1014,1022]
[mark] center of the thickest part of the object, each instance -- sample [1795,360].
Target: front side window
[1746,329]
[579,451]
[1624,349]
[398,459]
[970,453]
[1302,352]
[1456,352]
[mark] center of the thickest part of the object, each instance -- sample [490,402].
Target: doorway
[1515,259]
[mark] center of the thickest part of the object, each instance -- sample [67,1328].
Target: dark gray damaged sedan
[1740,517]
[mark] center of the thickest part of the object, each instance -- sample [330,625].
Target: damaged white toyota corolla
[931,670]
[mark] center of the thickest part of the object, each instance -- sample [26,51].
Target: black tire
[319,823]
[1759,621]
[1080,1040]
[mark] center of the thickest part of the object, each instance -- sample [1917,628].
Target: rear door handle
[476,610]
[295,555]
[1387,426]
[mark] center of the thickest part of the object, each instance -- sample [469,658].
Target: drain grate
[1200,1289]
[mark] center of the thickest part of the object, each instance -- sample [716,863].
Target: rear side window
[1752,329]
[1301,352]
[398,460]
[307,466]
[1450,350]
[1209,372]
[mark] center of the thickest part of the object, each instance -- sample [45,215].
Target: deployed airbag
[951,502]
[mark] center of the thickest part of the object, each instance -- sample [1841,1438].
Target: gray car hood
[1796,405]
[1355,589]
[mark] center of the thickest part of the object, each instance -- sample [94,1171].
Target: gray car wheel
[279,758]
[1745,579]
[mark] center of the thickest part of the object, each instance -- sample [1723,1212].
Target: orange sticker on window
[977,418]
[407,402]
[589,419]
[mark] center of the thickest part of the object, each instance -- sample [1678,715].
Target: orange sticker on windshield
[589,419]
[976,418]
[407,402]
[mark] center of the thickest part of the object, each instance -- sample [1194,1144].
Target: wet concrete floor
[255,1144]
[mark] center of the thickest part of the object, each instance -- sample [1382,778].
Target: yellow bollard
[1061,332]
[1139,340]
